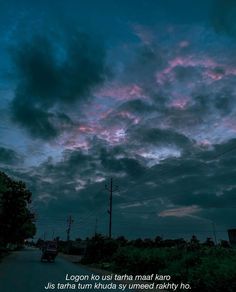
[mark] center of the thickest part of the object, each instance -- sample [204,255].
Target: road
[22,271]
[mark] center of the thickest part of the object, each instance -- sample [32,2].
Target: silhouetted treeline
[16,220]
[205,266]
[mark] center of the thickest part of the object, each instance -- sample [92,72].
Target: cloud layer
[152,106]
[53,74]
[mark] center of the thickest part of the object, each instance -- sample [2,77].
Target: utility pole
[214,231]
[110,189]
[96,226]
[69,221]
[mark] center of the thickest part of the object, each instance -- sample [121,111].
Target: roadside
[8,251]
[71,258]
[3,253]
[76,260]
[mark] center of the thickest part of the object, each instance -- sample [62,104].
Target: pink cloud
[128,115]
[189,61]
[184,44]
[85,129]
[205,143]
[180,212]
[230,123]
[106,114]
[71,143]
[122,92]
[180,103]
[211,69]
[143,33]
[214,75]
[113,135]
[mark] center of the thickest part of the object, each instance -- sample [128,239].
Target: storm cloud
[9,156]
[144,94]
[53,75]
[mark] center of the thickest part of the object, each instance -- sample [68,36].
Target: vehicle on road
[49,251]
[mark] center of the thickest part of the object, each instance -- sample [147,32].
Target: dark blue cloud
[47,79]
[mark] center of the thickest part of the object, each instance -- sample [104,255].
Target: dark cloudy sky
[143,91]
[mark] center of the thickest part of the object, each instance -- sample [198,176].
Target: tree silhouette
[16,220]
